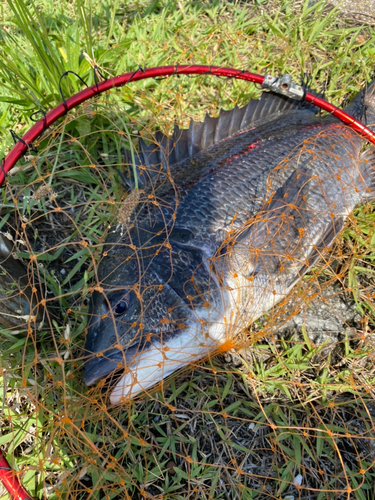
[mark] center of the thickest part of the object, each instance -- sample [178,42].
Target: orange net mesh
[284,408]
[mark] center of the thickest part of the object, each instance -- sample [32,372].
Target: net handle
[10,481]
[61,109]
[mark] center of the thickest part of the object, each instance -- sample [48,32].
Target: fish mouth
[99,367]
[143,366]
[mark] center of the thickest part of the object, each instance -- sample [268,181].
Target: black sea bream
[233,213]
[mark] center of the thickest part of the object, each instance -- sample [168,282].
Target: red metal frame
[10,481]
[118,81]
[7,476]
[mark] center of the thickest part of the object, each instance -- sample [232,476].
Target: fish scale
[243,182]
[241,207]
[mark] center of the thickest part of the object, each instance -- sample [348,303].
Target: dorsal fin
[201,135]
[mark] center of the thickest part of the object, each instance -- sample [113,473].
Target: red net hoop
[252,423]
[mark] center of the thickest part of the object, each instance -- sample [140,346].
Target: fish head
[158,307]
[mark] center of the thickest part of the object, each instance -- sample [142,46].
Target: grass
[279,409]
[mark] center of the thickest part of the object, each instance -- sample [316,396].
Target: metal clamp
[284,86]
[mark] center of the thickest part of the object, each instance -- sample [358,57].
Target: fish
[20,298]
[231,213]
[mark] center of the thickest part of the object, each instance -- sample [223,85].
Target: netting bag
[110,264]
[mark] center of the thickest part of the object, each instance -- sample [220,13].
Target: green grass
[285,409]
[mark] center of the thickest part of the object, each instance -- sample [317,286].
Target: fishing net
[283,410]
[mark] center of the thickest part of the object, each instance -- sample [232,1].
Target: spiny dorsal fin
[201,135]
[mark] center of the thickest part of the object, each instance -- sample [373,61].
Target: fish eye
[120,308]
[119,302]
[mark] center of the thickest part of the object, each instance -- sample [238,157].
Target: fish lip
[99,367]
